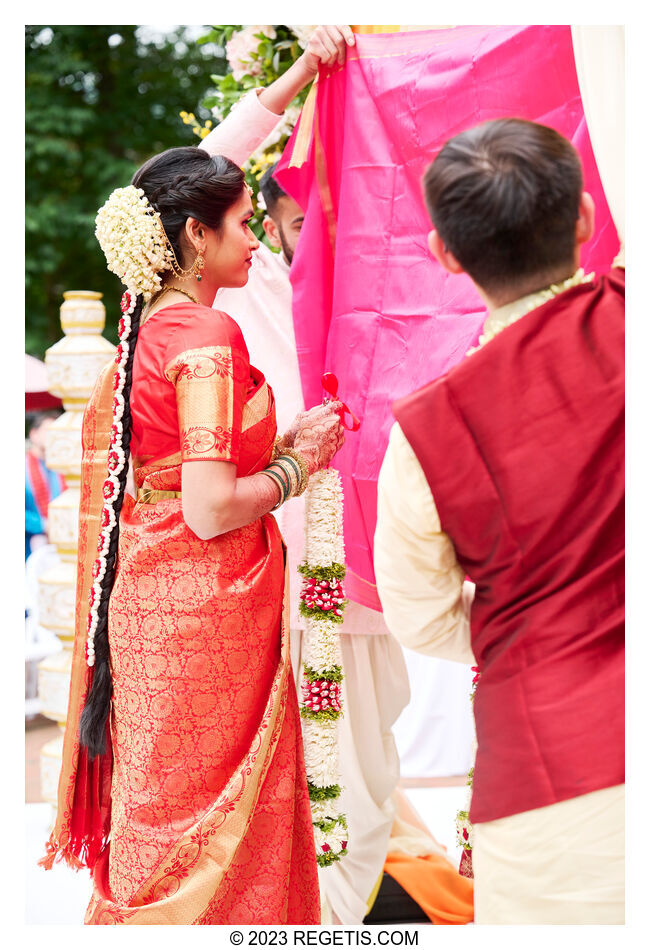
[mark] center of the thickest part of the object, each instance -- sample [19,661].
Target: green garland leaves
[324,860]
[333,572]
[306,611]
[321,715]
[327,825]
[318,793]
[334,675]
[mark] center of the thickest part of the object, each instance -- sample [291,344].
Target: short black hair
[504,197]
[271,191]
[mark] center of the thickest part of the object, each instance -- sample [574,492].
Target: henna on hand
[319,435]
[314,415]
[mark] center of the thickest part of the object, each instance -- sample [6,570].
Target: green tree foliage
[100,100]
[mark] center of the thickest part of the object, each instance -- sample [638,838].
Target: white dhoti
[375,690]
[562,864]
[434,733]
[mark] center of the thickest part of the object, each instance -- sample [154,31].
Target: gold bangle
[304,471]
[276,448]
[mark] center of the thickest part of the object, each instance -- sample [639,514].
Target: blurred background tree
[100,100]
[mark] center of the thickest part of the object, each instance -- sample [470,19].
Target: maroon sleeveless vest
[523,447]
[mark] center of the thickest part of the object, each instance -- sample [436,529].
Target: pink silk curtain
[370,303]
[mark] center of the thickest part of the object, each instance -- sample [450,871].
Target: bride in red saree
[183,784]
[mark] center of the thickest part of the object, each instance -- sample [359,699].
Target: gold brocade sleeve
[210,386]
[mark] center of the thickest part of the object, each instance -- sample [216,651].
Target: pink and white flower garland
[116,463]
[464,827]
[322,604]
[241,50]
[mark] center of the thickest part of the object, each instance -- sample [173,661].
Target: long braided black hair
[179,183]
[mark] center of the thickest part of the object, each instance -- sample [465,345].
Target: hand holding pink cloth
[370,304]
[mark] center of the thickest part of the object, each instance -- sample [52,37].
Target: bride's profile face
[229,252]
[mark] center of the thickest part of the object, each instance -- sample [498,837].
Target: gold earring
[193,271]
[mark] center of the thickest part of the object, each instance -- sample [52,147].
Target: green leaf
[328,858]
[323,573]
[306,611]
[321,793]
[94,113]
[211,37]
[321,716]
[333,675]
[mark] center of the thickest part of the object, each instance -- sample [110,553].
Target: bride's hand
[317,434]
[315,414]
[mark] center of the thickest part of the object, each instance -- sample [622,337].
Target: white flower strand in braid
[322,604]
[116,464]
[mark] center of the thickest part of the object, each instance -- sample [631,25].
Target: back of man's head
[504,199]
[271,191]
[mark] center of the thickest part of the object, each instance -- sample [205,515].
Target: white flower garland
[322,604]
[530,302]
[133,239]
[116,464]
[134,242]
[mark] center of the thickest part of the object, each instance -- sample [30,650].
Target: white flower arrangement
[321,744]
[131,235]
[331,839]
[322,650]
[116,465]
[322,606]
[325,545]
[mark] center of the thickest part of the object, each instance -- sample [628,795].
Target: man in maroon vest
[509,471]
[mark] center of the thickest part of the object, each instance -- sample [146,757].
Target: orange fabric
[366,28]
[211,821]
[64,844]
[444,896]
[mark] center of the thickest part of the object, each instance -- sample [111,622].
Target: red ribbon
[330,384]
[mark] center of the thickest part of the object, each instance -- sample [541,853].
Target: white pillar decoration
[73,365]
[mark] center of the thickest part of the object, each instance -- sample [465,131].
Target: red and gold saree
[210,819]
